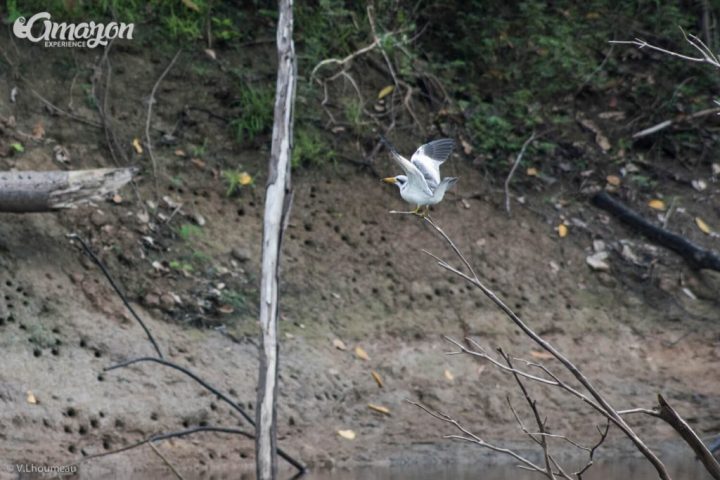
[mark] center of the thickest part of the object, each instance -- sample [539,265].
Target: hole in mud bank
[71,412]
[9,283]
[98,354]
[67,429]
[213,406]
[55,351]
[101,377]
[185,424]
[106,443]
[82,430]
[119,423]
[72,449]
[37,352]
[94,423]
[153,416]
[241,212]
[83,343]
[102,414]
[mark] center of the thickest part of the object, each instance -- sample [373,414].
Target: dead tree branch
[24,192]
[116,287]
[214,390]
[696,256]
[166,436]
[512,170]
[597,398]
[151,101]
[278,199]
[468,436]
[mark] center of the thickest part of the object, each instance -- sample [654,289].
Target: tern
[421,184]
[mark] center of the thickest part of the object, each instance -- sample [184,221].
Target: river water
[633,469]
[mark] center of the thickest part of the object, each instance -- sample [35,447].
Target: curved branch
[299,466]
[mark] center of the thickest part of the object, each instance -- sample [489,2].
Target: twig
[165,436]
[165,461]
[681,118]
[542,441]
[472,438]
[512,171]
[151,100]
[591,455]
[602,402]
[222,396]
[99,263]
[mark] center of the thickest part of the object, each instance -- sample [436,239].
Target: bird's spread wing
[415,176]
[430,156]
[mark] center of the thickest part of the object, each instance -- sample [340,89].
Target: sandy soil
[351,272]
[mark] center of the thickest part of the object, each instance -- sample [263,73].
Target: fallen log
[24,192]
[696,256]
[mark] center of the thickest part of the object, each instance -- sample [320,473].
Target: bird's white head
[399,180]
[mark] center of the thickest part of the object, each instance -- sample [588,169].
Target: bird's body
[421,185]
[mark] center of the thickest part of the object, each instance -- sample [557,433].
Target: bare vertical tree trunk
[277,206]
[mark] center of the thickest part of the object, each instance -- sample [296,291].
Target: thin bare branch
[599,399]
[472,438]
[166,461]
[151,101]
[518,159]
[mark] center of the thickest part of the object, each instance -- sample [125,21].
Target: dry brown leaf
[657,204]
[226,309]
[542,355]
[38,131]
[532,172]
[361,354]
[600,137]
[347,434]
[702,225]
[198,163]
[379,409]
[211,53]
[31,398]
[339,344]
[386,91]
[613,180]
[467,147]
[562,230]
[449,375]
[378,379]
[137,146]
[117,198]
[180,152]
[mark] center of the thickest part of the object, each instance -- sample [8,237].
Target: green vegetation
[188,231]
[256,111]
[505,69]
[310,148]
[236,180]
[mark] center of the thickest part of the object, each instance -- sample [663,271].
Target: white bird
[421,184]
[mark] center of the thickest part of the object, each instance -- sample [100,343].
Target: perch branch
[602,402]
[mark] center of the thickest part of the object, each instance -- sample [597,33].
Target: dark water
[622,470]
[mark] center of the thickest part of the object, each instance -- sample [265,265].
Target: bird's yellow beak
[389,180]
